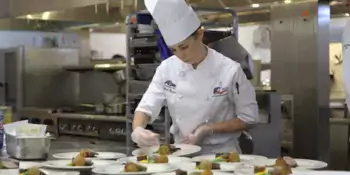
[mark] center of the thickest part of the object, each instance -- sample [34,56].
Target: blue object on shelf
[144,19]
[163,48]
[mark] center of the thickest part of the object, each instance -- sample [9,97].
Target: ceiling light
[347,14]
[288,1]
[29,17]
[255,5]
[46,15]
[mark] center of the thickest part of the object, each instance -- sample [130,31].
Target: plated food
[227,157]
[293,163]
[232,157]
[133,168]
[181,172]
[154,159]
[174,150]
[206,165]
[279,168]
[80,160]
[91,155]
[167,149]
[204,172]
[31,171]
[8,164]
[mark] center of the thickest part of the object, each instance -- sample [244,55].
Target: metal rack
[149,41]
[135,41]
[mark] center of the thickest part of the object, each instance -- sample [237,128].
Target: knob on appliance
[80,128]
[74,127]
[111,131]
[63,126]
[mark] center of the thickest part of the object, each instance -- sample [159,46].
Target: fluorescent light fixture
[347,14]
[46,15]
[29,17]
[288,1]
[255,5]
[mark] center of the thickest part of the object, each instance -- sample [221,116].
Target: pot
[116,108]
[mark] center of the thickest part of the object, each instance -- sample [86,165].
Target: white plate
[191,166]
[117,169]
[214,173]
[100,156]
[185,150]
[9,172]
[323,173]
[172,159]
[63,164]
[243,157]
[302,163]
[245,169]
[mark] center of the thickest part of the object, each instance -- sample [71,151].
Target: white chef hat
[176,19]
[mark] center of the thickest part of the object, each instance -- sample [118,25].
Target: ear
[200,34]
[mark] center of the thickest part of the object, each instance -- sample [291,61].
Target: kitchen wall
[35,39]
[108,44]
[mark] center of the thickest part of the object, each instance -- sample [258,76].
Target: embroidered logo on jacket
[169,86]
[220,91]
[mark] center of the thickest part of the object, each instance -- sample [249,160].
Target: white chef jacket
[346,62]
[216,91]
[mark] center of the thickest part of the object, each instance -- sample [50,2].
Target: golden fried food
[33,171]
[164,150]
[88,153]
[227,157]
[281,167]
[161,159]
[132,167]
[207,172]
[78,161]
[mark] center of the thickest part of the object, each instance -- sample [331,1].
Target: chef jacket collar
[205,66]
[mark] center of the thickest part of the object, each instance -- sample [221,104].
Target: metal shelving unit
[141,41]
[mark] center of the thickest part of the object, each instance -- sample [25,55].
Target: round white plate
[243,157]
[118,169]
[245,169]
[185,150]
[322,173]
[302,163]
[215,173]
[191,166]
[63,164]
[100,156]
[172,159]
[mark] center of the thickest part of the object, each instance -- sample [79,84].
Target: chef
[208,95]
[346,62]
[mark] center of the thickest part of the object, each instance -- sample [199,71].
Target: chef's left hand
[198,135]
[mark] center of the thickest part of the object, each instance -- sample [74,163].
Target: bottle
[1,128]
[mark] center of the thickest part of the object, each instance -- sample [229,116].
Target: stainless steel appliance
[33,77]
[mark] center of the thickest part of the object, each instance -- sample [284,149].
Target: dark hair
[196,31]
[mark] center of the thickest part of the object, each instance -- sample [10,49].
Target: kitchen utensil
[100,156]
[28,148]
[185,150]
[118,169]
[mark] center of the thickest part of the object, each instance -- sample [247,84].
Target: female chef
[208,96]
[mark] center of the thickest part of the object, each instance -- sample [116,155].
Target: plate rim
[194,146]
[179,165]
[46,165]
[260,157]
[321,163]
[131,173]
[122,155]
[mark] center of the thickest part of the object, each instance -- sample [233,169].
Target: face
[189,50]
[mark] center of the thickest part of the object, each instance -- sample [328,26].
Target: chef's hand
[198,135]
[144,138]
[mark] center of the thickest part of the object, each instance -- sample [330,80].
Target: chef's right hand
[144,138]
